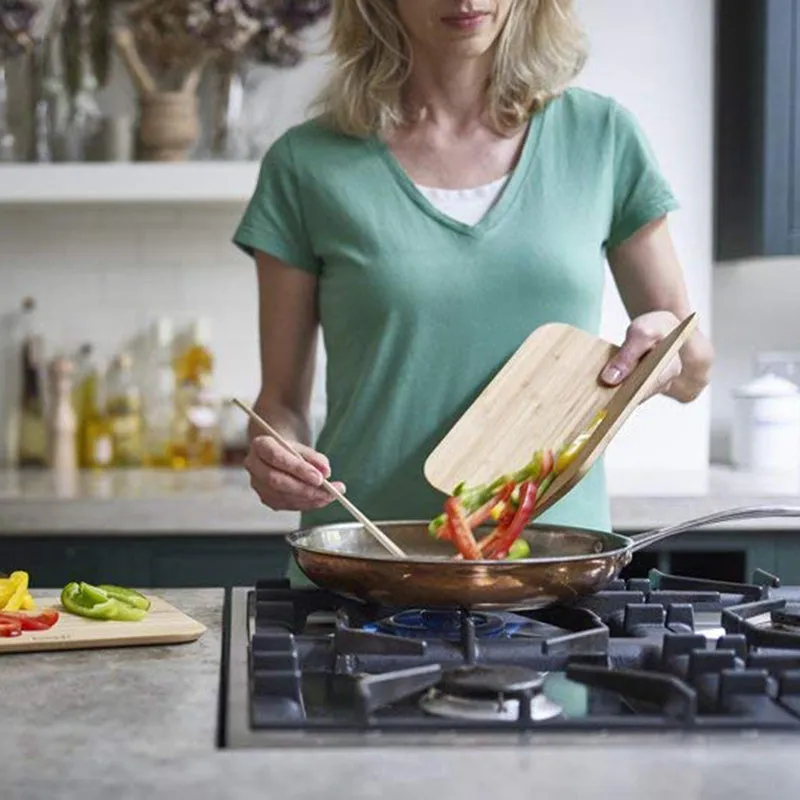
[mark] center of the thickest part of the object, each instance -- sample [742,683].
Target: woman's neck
[449,94]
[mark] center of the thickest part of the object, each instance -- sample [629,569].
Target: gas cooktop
[303,667]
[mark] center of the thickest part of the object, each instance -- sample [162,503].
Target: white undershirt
[468,206]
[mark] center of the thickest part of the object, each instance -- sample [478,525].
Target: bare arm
[287,322]
[288,334]
[651,284]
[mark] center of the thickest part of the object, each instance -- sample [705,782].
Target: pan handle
[642,540]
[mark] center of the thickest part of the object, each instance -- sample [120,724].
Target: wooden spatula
[545,395]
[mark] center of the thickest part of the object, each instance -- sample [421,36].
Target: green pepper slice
[92,602]
[129,596]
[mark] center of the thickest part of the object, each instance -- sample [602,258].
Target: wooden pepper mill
[62,424]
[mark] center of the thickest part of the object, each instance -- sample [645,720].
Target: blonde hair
[539,51]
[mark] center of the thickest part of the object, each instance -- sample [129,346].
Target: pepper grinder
[63,424]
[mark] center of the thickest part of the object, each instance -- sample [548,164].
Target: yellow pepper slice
[6,590]
[20,581]
[28,603]
[568,453]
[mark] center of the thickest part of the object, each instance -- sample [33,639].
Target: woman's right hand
[285,482]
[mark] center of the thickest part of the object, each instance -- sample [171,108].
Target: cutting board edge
[43,646]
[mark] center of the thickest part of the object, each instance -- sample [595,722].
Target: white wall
[656,58]
[102,279]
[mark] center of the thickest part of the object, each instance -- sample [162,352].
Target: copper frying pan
[565,563]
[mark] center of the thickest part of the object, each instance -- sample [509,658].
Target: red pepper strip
[498,549]
[548,463]
[9,627]
[462,533]
[480,515]
[32,622]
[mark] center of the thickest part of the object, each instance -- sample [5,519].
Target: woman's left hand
[684,378]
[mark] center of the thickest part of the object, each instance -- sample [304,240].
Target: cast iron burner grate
[448,625]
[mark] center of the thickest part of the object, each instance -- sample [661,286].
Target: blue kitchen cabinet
[757,121]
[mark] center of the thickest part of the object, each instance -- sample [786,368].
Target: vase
[169,126]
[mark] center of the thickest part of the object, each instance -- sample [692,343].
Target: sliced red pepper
[32,622]
[504,537]
[462,533]
[9,627]
[480,515]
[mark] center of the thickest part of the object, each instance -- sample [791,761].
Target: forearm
[649,277]
[291,423]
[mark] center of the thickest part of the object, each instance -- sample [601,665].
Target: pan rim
[292,540]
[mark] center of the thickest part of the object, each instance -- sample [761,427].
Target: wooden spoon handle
[329,487]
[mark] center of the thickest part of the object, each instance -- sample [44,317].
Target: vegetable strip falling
[509,501]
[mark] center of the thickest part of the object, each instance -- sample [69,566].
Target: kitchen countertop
[220,501]
[140,722]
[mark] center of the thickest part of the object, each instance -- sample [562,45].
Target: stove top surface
[305,667]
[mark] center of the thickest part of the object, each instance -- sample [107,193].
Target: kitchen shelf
[186,182]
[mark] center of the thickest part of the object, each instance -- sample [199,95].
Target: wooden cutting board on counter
[163,625]
[547,393]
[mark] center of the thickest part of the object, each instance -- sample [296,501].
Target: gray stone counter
[140,723]
[220,501]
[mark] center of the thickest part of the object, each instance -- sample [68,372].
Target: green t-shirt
[418,310]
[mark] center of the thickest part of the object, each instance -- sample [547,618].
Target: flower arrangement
[17,20]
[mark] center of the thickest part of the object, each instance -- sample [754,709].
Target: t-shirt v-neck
[516,178]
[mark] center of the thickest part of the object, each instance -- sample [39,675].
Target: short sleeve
[273,221]
[641,193]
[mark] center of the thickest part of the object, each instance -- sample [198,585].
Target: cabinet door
[781,202]
[794,188]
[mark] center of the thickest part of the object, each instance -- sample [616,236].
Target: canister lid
[767,386]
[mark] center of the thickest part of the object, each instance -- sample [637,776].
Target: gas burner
[480,680]
[448,625]
[484,693]
[439,704]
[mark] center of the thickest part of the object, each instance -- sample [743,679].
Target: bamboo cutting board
[547,393]
[164,624]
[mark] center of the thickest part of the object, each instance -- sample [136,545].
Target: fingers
[638,341]
[276,456]
[285,482]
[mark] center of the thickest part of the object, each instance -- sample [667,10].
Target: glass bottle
[52,109]
[159,398]
[93,434]
[194,363]
[198,409]
[124,409]
[99,447]
[85,121]
[7,138]
[32,425]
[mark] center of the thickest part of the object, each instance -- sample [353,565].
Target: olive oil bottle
[198,409]
[94,434]
[32,433]
[160,417]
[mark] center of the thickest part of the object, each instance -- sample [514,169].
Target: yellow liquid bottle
[198,411]
[125,414]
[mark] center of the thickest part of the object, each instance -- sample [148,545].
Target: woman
[451,197]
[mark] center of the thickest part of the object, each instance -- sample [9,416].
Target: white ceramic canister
[766,429]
